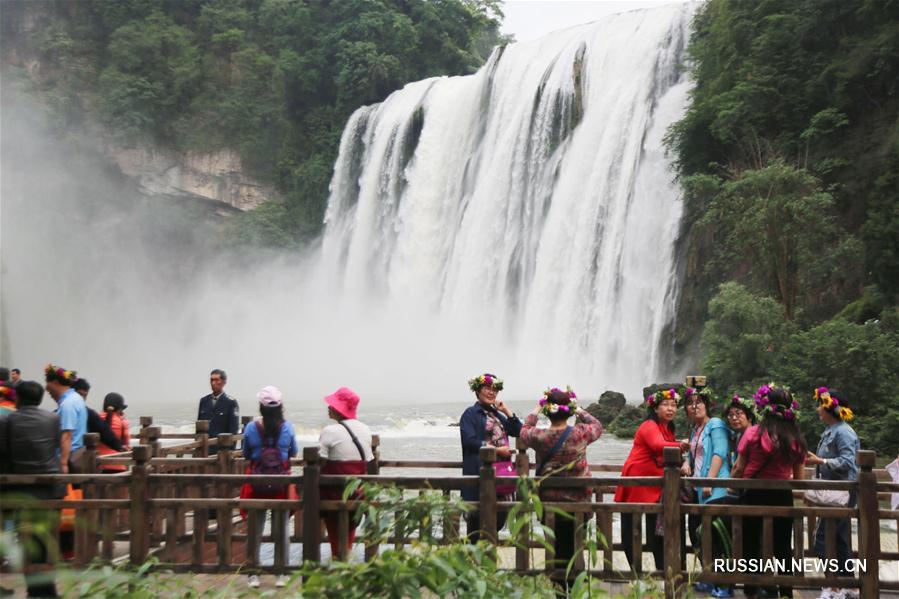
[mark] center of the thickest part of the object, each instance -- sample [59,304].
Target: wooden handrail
[163,491]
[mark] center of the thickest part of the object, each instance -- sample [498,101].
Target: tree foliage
[747,342]
[788,157]
[274,79]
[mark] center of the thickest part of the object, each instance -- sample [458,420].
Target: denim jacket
[838,447]
[714,442]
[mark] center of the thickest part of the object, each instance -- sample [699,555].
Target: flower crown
[653,400]
[738,402]
[7,393]
[66,375]
[831,403]
[485,380]
[550,407]
[705,392]
[766,406]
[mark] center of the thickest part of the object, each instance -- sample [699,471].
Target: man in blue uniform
[221,411]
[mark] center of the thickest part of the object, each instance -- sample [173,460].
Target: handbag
[505,470]
[828,497]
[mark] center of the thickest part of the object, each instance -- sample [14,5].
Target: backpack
[269,462]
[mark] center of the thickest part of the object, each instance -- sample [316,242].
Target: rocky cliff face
[214,176]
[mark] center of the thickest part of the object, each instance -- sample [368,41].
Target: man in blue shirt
[72,416]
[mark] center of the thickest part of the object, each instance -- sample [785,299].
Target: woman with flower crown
[645,459]
[774,449]
[487,423]
[835,460]
[562,451]
[707,459]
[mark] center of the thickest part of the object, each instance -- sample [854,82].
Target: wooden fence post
[312,530]
[201,436]
[87,521]
[673,521]
[374,467]
[223,519]
[523,468]
[244,421]
[140,492]
[153,433]
[487,494]
[868,526]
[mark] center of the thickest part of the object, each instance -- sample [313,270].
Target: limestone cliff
[216,176]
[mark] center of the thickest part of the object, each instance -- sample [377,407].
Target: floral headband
[653,401]
[69,376]
[832,404]
[485,380]
[549,407]
[747,405]
[766,406]
[705,394]
[7,393]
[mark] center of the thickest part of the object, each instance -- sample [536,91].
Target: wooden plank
[550,552]
[736,530]
[487,494]
[311,513]
[171,535]
[798,548]
[140,533]
[280,537]
[604,524]
[868,525]
[636,542]
[580,531]
[343,532]
[673,520]
[706,540]
[767,537]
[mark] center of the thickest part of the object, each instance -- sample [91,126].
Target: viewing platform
[179,501]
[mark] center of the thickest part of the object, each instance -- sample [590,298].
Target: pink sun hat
[345,401]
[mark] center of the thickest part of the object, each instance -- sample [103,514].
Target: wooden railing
[162,506]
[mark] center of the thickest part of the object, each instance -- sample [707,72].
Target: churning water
[520,220]
[528,210]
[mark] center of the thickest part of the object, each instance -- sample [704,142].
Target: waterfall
[521,218]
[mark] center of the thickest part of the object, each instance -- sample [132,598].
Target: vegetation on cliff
[788,158]
[274,79]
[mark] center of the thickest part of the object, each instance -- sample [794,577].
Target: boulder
[607,408]
[627,421]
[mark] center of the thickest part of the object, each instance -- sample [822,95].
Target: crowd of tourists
[755,438]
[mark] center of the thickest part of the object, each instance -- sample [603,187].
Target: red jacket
[119,426]
[645,459]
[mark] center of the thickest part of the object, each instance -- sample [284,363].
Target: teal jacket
[714,442]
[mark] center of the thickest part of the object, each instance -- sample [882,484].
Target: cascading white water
[526,212]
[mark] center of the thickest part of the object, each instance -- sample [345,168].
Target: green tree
[740,340]
[153,72]
[780,221]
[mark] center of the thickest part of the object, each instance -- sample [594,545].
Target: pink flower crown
[548,407]
[765,406]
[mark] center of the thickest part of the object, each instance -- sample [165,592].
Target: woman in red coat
[645,459]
